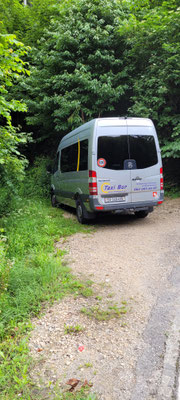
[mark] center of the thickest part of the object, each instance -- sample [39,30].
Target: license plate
[114,199]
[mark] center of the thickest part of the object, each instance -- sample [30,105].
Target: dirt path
[130,261]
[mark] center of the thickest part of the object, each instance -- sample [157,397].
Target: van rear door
[128,168]
[145,175]
[114,183]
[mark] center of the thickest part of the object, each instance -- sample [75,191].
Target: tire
[141,214]
[80,212]
[54,202]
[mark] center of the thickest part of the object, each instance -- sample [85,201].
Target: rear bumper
[95,206]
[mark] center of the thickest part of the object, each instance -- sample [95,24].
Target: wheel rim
[79,212]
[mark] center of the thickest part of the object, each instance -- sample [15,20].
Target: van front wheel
[80,212]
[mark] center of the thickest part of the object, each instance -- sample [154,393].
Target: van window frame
[77,161]
[69,158]
[56,162]
[140,163]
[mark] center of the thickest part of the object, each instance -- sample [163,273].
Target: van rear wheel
[141,214]
[54,202]
[80,212]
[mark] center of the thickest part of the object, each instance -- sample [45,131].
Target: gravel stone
[127,259]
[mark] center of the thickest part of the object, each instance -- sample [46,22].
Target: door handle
[137,179]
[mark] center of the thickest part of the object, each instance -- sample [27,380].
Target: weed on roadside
[172,191]
[99,298]
[54,393]
[100,314]
[77,390]
[76,396]
[110,295]
[86,365]
[34,272]
[31,274]
[86,292]
[15,363]
[82,394]
[70,329]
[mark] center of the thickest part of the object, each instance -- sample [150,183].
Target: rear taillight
[161,179]
[93,183]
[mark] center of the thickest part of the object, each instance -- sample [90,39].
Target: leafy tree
[26,22]
[97,59]
[39,16]
[153,62]
[13,17]
[12,163]
[78,72]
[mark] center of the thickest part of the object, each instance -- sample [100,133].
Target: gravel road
[134,264]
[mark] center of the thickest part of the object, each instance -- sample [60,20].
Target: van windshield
[115,150]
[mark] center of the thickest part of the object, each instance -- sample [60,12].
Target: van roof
[124,121]
[114,121]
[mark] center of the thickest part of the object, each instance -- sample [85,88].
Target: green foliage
[5,264]
[11,66]
[14,363]
[31,272]
[73,329]
[12,163]
[107,58]
[103,58]
[13,17]
[37,181]
[82,394]
[27,23]
[39,16]
[78,71]
[153,61]
[101,314]
[5,202]
[14,372]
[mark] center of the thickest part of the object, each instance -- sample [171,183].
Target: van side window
[56,162]
[69,158]
[83,166]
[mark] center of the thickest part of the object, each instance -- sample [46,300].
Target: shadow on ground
[106,218]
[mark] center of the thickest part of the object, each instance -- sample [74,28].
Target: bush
[37,181]
[4,200]
[5,264]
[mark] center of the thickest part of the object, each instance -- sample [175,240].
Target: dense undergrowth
[32,274]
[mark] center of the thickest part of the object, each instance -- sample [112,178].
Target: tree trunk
[82,116]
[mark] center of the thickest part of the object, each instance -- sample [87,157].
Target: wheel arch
[52,189]
[78,194]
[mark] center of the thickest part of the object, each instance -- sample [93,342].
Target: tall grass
[31,273]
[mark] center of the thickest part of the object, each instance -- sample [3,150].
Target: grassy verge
[31,274]
[172,192]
